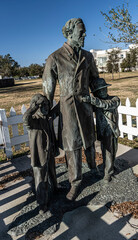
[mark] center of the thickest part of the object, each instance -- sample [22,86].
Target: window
[101,61]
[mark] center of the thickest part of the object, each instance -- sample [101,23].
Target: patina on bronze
[42,147]
[106,124]
[75,70]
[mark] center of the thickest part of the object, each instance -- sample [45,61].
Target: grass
[126,86]
[23,90]
[19,94]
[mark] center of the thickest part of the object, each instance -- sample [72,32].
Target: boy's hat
[37,98]
[99,83]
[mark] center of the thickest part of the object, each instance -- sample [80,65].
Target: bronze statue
[42,147]
[106,124]
[75,70]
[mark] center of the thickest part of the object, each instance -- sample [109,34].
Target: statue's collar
[68,48]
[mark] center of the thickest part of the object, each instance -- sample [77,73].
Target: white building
[101,57]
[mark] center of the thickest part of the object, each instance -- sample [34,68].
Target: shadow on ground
[28,221]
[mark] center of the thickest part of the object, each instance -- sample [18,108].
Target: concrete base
[94,223]
[13,195]
[126,153]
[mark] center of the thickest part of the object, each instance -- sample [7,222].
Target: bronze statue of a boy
[106,123]
[41,147]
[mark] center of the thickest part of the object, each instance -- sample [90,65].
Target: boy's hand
[89,99]
[93,100]
[86,99]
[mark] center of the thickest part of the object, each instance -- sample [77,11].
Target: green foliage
[23,72]
[35,69]
[131,60]
[126,63]
[134,56]
[119,19]
[112,62]
[109,67]
[8,66]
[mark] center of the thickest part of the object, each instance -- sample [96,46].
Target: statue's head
[100,88]
[74,30]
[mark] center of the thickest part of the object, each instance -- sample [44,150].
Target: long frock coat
[75,77]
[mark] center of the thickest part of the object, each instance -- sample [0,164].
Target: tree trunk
[112,74]
[119,73]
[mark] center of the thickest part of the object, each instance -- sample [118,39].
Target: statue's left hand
[86,99]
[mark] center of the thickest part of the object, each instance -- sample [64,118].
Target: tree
[134,57]
[120,20]
[112,62]
[131,60]
[23,72]
[35,69]
[126,64]
[8,66]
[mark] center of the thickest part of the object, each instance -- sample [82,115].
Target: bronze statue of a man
[75,70]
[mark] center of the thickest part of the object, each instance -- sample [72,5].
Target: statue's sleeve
[55,111]
[105,104]
[93,72]
[49,78]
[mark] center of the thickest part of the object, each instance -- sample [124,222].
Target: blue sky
[30,30]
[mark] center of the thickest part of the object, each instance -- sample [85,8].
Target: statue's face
[78,35]
[101,93]
[44,108]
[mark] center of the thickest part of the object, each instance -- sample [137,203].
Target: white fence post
[120,123]
[14,127]
[6,136]
[128,118]
[23,110]
[129,112]
[137,116]
[1,134]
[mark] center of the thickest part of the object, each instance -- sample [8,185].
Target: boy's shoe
[72,194]
[107,179]
[42,209]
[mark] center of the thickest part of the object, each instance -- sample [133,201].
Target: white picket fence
[16,140]
[129,127]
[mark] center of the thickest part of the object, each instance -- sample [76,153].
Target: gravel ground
[123,188]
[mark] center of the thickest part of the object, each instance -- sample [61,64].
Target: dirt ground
[21,93]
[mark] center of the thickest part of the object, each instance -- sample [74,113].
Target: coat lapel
[70,53]
[81,62]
